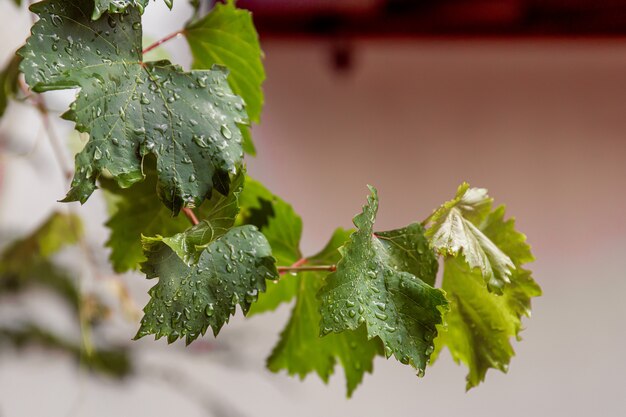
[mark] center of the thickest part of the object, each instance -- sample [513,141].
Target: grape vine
[166,146]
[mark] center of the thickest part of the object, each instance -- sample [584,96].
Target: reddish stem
[298,267]
[285,269]
[191,216]
[163,40]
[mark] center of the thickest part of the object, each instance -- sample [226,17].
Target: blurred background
[524,97]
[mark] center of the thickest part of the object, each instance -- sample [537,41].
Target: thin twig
[163,40]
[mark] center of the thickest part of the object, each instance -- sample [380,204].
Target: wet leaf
[231,270]
[301,350]
[137,212]
[377,287]
[227,36]
[187,120]
[118,6]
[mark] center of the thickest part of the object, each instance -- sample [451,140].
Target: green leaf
[118,6]
[9,82]
[371,287]
[456,230]
[137,211]
[283,228]
[187,120]
[230,271]
[217,216]
[301,350]
[226,36]
[481,323]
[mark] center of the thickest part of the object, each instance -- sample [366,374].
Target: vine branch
[285,269]
[298,266]
[191,215]
[163,40]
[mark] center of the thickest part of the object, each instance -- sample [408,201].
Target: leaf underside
[481,322]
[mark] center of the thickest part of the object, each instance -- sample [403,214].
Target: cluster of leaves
[162,139]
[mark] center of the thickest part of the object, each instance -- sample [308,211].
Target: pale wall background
[540,123]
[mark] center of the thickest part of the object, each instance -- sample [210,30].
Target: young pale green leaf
[187,120]
[119,6]
[226,36]
[9,82]
[481,323]
[377,286]
[455,230]
[230,271]
[301,350]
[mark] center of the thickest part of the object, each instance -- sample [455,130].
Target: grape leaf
[9,82]
[217,216]
[301,350]
[187,120]
[230,270]
[227,36]
[480,323]
[455,230]
[371,287]
[119,6]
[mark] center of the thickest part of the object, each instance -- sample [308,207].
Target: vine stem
[163,40]
[191,216]
[285,269]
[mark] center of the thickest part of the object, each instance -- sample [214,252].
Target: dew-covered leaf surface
[130,108]
[227,36]
[376,286]
[301,350]
[188,299]
[118,6]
